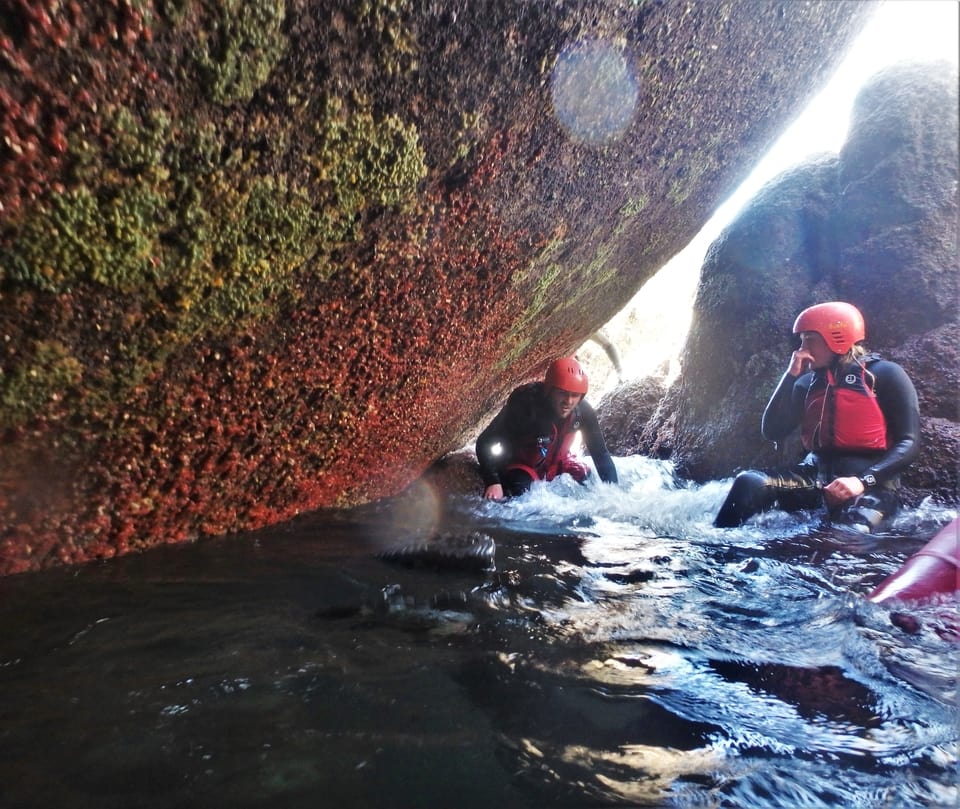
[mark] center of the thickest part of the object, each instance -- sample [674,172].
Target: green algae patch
[472,125]
[107,227]
[364,162]
[242,249]
[521,335]
[548,298]
[161,215]
[633,208]
[48,370]
[241,47]
[169,222]
[109,239]
[386,21]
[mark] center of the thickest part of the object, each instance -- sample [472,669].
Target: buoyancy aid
[543,457]
[841,411]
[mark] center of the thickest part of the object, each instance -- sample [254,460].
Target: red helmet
[567,374]
[839,324]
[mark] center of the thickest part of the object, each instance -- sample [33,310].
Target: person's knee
[751,492]
[516,482]
[869,513]
[752,481]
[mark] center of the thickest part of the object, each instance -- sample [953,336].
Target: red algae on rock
[258,260]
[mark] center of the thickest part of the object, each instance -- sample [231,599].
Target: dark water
[624,652]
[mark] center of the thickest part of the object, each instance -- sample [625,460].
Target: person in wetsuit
[532,437]
[859,420]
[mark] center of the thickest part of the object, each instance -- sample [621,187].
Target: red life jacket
[543,458]
[843,412]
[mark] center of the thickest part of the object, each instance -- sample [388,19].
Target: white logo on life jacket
[850,379]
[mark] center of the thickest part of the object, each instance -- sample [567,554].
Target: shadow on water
[618,651]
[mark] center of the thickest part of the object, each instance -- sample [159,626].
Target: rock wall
[875,225]
[258,258]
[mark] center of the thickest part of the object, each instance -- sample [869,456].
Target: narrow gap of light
[898,31]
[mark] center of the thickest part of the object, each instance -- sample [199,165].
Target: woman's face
[820,354]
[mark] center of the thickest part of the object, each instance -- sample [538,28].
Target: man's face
[814,345]
[564,401]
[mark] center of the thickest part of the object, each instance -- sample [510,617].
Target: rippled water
[624,652]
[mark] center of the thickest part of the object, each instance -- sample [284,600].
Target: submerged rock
[473,552]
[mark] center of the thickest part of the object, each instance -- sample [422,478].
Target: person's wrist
[868,480]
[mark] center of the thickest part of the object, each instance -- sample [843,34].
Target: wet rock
[469,552]
[875,225]
[455,474]
[271,257]
[625,412]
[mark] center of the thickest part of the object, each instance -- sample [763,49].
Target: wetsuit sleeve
[596,446]
[518,417]
[785,408]
[897,398]
[494,433]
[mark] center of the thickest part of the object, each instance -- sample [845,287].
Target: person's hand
[493,492]
[839,491]
[800,362]
[577,470]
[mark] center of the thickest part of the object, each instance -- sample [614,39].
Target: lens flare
[594,91]
[413,515]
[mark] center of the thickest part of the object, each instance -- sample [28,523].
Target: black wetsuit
[526,422]
[801,487]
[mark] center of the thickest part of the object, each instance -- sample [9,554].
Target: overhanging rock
[259,258]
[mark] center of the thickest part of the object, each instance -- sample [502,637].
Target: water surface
[623,652]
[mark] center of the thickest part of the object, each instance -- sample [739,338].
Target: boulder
[261,258]
[874,225]
[626,411]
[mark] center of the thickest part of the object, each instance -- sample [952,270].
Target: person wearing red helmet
[859,422]
[532,437]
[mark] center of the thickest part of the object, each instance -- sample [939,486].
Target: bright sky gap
[657,319]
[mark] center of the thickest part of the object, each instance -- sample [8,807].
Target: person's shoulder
[877,364]
[528,392]
[529,389]
[889,375]
[585,408]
